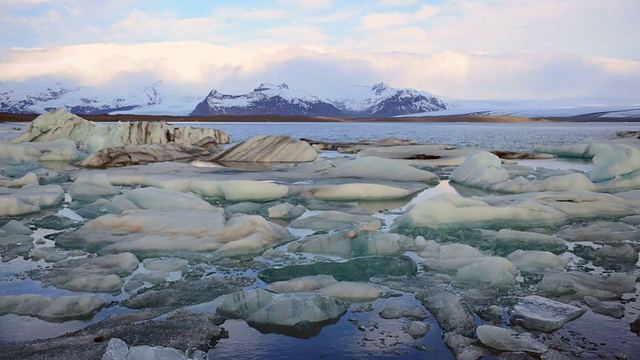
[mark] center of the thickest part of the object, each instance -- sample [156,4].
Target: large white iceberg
[92,136]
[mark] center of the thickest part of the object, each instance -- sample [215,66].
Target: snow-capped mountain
[79,100]
[379,100]
[266,99]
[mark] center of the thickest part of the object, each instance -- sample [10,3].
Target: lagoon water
[505,136]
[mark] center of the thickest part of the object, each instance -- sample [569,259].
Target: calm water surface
[505,136]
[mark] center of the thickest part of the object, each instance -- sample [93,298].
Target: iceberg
[90,136]
[63,308]
[202,233]
[271,149]
[261,307]
[372,167]
[99,274]
[141,154]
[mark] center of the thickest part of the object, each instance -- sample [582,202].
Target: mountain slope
[76,100]
[380,100]
[377,101]
[266,99]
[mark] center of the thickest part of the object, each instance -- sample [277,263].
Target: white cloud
[395,3]
[479,49]
[377,21]
[203,66]
[308,3]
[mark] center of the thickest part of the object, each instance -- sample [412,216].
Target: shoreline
[8,118]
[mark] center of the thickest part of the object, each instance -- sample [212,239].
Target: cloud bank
[494,49]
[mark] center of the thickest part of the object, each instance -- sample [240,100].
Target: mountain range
[379,100]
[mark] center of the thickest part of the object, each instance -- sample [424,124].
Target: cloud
[462,49]
[377,21]
[203,66]
[395,3]
[308,3]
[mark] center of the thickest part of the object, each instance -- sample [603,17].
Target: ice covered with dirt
[91,136]
[270,149]
[141,154]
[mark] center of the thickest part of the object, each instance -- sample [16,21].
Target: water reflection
[362,335]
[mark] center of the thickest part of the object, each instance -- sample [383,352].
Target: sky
[457,49]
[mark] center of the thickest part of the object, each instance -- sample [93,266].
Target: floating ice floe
[14,232]
[372,167]
[88,188]
[167,233]
[523,211]
[285,211]
[186,292]
[587,149]
[469,264]
[63,308]
[345,245]
[452,314]
[91,136]
[616,168]
[98,274]
[608,308]
[272,149]
[329,286]
[55,150]
[506,241]
[575,285]
[29,198]
[509,340]
[30,178]
[601,232]
[536,261]
[336,220]
[261,307]
[119,350]
[618,160]
[358,269]
[541,314]
[355,191]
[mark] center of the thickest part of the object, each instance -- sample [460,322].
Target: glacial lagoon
[474,242]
